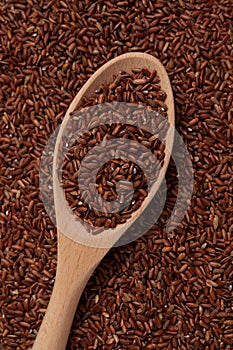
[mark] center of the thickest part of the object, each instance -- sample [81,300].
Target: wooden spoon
[76,262]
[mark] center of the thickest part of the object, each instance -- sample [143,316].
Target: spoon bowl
[79,256]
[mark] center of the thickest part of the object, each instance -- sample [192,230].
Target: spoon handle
[76,263]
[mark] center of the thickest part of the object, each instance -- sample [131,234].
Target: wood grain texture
[76,263]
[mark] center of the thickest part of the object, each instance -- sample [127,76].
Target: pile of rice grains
[165,290]
[141,88]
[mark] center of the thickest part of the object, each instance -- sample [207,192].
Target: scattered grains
[154,299]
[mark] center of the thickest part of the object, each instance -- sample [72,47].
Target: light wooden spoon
[76,262]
